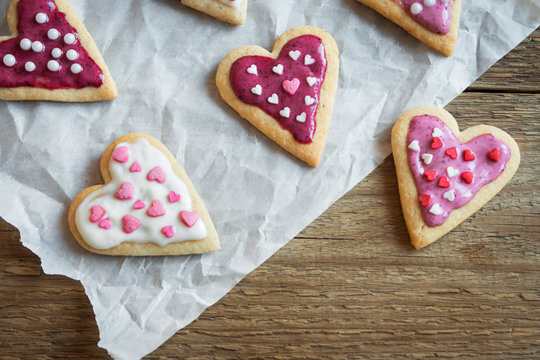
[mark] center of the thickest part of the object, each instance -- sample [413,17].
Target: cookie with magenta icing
[147,206]
[287,94]
[51,56]
[445,175]
[231,11]
[433,22]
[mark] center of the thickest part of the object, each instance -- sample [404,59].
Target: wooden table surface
[350,284]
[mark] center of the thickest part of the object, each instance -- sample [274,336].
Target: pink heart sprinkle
[121,154]
[291,86]
[168,231]
[96,213]
[135,167]
[139,204]
[189,218]
[174,197]
[156,209]
[125,192]
[131,223]
[105,224]
[157,174]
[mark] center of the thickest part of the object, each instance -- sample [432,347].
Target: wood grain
[349,285]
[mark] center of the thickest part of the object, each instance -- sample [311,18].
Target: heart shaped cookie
[445,175]
[287,94]
[51,56]
[434,22]
[231,11]
[149,209]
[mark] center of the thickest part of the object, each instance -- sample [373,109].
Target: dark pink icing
[42,77]
[435,18]
[242,82]
[484,169]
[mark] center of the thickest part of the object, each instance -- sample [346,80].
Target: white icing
[37,46]
[308,60]
[427,158]
[25,44]
[30,66]
[53,65]
[301,118]
[416,8]
[451,171]
[150,230]
[56,53]
[76,68]
[41,18]
[278,69]
[257,89]
[311,80]
[252,69]
[273,99]
[309,100]
[450,195]
[9,60]
[72,54]
[69,38]
[232,3]
[437,132]
[414,145]
[436,209]
[53,34]
[294,54]
[429,3]
[285,112]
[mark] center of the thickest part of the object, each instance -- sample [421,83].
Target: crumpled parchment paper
[163,57]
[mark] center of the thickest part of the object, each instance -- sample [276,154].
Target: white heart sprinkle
[451,171]
[429,3]
[309,100]
[449,195]
[414,145]
[308,60]
[76,68]
[257,89]
[72,54]
[252,69]
[56,53]
[69,38]
[427,158]
[41,18]
[294,54]
[278,69]
[273,99]
[436,209]
[9,60]
[53,34]
[53,65]
[285,112]
[37,46]
[301,118]
[25,44]
[416,8]
[29,66]
[437,132]
[311,80]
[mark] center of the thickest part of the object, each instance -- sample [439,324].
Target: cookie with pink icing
[287,94]
[434,22]
[51,56]
[147,205]
[445,175]
[231,11]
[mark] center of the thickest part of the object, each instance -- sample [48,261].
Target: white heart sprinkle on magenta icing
[257,89]
[429,3]
[189,218]
[53,65]
[437,132]
[25,44]
[427,158]
[29,66]
[416,8]
[53,34]
[96,213]
[278,69]
[139,204]
[41,18]
[273,99]
[252,69]
[450,195]
[168,231]
[436,209]
[156,209]
[294,54]
[157,174]
[451,171]
[135,167]
[69,39]
[9,60]
[56,53]
[311,80]
[285,112]
[291,86]
[125,192]
[72,54]
[76,68]
[121,154]
[131,223]
[309,100]
[308,60]
[301,118]
[414,145]
[174,197]
[105,224]
[37,46]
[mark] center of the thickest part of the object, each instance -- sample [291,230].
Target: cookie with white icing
[231,11]
[51,56]
[287,94]
[147,205]
[434,22]
[445,175]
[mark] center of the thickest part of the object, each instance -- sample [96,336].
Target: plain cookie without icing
[231,11]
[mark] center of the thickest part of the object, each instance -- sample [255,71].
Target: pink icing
[174,197]
[156,209]
[125,192]
[96,213]
[42,77]
[121,154]
[131,223]
[189,218]
[139,204]
[484,170]
[435,18]
[135,167]
[157,174]
[105,224]
[168,231]
[291,87]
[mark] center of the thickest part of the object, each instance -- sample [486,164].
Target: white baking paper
[163,57]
